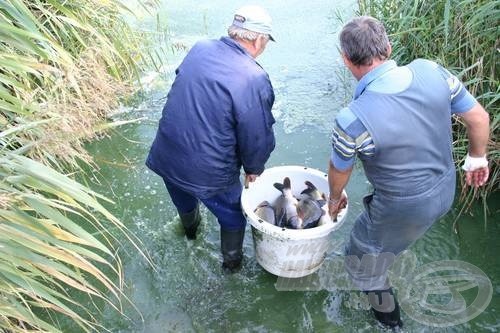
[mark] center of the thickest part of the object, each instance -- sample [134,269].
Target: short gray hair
[237,32]
[364,39]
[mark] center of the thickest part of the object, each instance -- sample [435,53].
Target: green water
[188,292]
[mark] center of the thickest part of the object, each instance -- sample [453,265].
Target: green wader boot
[231,243]
[190,221]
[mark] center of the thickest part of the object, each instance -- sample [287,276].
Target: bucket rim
[285,233]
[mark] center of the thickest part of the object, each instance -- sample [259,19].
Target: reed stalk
[463,36]
[63,66]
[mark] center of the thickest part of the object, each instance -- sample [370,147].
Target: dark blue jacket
[217,118]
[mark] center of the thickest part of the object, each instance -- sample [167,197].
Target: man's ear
[389,50]
[346,60]
[257,43]
[260,42]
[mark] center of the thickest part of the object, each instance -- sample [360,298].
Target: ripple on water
[438,243]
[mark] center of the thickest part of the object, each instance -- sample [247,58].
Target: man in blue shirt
[399,125]
[217,119]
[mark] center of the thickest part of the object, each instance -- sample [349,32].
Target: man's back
[411,131]
[197,145]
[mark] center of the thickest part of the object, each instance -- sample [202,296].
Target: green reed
[63,66]
[463,36]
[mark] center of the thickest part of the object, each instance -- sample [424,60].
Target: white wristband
[474,163]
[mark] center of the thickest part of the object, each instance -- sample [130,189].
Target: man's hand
[249,178]
[477,177]
[476,170]
[336,205]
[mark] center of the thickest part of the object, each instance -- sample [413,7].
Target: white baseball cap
[254,18]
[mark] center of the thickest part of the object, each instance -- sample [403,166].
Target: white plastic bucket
[288,252]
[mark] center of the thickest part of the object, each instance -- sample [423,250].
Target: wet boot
[231,243]
[385,307]
[190,221]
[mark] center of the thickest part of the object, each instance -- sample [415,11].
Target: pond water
[188,291]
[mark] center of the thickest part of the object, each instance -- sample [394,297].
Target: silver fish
[325,218]
[286,206]
[310,212]
[312,192]
[266,212]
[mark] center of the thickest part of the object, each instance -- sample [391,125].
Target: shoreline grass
[63,68]
[463,37]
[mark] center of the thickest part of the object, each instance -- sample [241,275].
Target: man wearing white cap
[217,119]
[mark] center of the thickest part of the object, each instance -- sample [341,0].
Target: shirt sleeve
[461,99]
[254,120]
[349,137]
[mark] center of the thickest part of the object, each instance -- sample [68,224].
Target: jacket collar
[234,44]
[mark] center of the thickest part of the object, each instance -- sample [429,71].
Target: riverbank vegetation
[462,35]
[63,67]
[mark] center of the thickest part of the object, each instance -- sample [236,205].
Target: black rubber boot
[190,221]
[385,307]
[231,244]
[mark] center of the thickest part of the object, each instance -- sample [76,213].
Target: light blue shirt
[349,135]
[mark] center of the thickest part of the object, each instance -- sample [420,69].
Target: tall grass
[463,36]
[63,66]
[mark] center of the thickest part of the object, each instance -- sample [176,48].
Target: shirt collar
[372,75]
